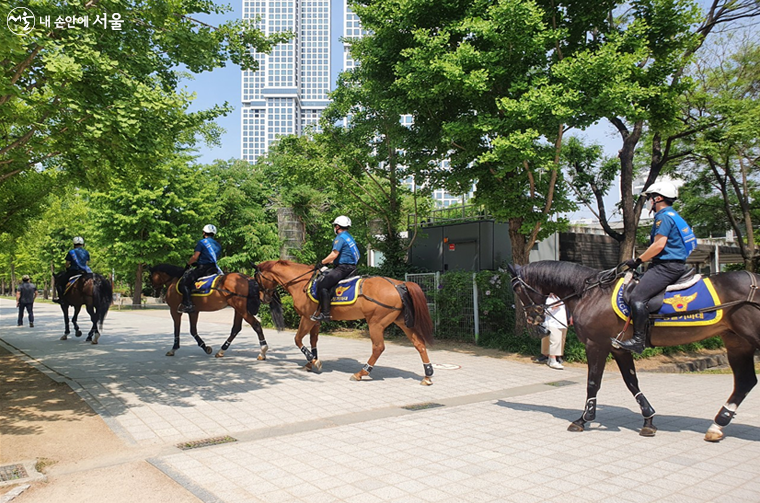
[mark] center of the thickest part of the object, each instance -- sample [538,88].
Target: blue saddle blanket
[698,296]
[71,282]
[346,292]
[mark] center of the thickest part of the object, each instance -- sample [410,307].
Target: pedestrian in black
[26,292]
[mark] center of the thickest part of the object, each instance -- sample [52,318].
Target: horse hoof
[170,353]
[64,337]
[208,350]
[78,333]
[317,365]
[261,357]
[427,381]
[575,427]
[88,339]
[648,431]
[219,354]
[356,377]
[306,368]
[714,434]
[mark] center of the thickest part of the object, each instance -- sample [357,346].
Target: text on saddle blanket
[700,295]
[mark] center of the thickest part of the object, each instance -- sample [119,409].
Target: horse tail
[253,302]
[275,307]
[102,296]
[423,323]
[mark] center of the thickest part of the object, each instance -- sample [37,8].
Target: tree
[245,217]
[649,60]
[157,218]
[98,102]
[723,166]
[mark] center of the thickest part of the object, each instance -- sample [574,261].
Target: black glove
[632,263]
[318,266]
[187,266]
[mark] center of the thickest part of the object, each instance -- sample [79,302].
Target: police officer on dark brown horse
[201,263]
[672,240]
[345,254]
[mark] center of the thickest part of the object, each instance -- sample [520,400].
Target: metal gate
[462,326]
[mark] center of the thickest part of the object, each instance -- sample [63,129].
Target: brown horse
[587,294]
[234,289]
[94,292]
[381,301]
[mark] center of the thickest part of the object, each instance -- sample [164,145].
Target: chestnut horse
[381,301]
[233,289]
[587,294]
[94,292]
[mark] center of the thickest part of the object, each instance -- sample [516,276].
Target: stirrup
[182,308]
[629,345]
[320,317]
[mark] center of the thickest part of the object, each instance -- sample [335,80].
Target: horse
[380,301]
[233,289]
[587,294]
[94,292]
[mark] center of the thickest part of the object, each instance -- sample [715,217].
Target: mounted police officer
[671,242]
[76,263]
[345,254]
[201,263]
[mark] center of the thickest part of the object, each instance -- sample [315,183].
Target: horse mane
[172,270]
[555,274]
[270,264]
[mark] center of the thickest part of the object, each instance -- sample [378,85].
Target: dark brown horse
[96,294]
[587,294]
[233,289]
[381,301]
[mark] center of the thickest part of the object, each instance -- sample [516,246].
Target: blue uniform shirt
[210,251]
[348,252]
[78,258]
[665,225]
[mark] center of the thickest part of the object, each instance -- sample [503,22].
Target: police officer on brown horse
[201,263]
[672,240]
[345,254]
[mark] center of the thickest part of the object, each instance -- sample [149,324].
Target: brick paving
[490,430]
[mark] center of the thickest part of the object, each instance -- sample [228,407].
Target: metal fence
[465,324]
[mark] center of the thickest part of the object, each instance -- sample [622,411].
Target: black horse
[94,292]
[587,294]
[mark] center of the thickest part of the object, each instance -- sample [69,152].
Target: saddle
[71,281]
[344,293]
[688,279]
[688,302]
[203,286]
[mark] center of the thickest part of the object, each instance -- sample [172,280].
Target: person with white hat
[202,263]
[671,241]
[345,255]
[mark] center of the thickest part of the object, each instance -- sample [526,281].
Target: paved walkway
[487,430]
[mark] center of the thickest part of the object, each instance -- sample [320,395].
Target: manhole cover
[446,366]
[12,472]
[205,443]
[561,383]
[422,406]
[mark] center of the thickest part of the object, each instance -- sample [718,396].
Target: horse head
[163,274]
[533,301]
[267,283]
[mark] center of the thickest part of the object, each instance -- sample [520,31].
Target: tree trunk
[137,297]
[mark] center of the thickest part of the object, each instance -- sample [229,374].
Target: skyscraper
[289,90]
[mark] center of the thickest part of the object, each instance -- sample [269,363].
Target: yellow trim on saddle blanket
[338,299]
[694,320]
[195,293]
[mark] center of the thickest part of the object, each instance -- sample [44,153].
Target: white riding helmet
[78,240]
[209,229]
[342,221]
[668,190]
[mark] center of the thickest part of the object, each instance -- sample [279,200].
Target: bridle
[270,293]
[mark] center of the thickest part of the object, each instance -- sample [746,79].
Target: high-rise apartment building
[289,90]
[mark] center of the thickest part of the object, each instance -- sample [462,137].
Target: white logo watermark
[22,20]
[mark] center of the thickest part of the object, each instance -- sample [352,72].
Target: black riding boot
[324,302]
[640,317]
[187,302]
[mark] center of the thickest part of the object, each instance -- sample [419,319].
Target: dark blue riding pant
[658,276]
